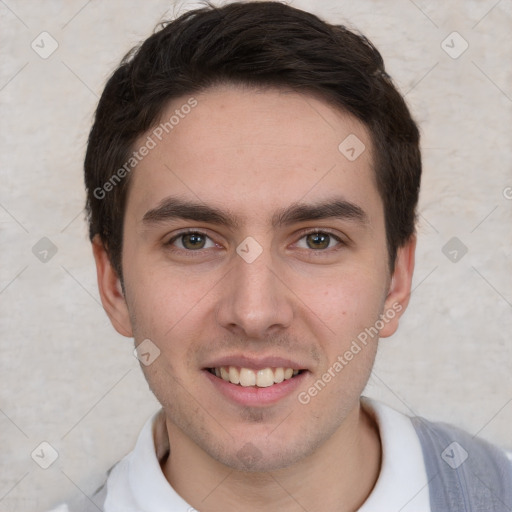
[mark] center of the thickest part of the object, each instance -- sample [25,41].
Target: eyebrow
[172,208]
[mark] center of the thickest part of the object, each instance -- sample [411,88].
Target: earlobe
[110,289]
[399,292]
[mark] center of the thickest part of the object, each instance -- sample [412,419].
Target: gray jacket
[466,474]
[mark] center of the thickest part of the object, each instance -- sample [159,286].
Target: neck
[337,477]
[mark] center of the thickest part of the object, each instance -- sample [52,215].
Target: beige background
[69,379]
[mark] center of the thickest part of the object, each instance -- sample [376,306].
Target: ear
[399,292]
[110,289]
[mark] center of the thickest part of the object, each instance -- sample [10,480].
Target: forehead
[254,152]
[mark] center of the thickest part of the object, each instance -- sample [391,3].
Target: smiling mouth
[246,377]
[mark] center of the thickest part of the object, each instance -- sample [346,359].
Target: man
[252,178]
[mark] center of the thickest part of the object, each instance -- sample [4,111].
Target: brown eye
[318,240]
[191,241]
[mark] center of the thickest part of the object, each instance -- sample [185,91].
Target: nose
[255,301]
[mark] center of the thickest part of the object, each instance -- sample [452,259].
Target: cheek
[347,303]
[162,300]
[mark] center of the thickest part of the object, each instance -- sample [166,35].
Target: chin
[260,456]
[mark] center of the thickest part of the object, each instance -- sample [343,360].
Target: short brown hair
[260,44]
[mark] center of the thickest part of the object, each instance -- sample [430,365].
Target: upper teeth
[261,378]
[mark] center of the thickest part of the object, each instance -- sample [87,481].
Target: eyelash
[169,244]
[303,234]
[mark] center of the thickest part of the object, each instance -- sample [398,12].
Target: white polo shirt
[137,483]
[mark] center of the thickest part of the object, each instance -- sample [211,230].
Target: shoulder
[463,468]
[457,442]
[60,508]
[117,484]
[95,503]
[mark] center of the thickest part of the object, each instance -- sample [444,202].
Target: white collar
[137,483]
[402,483]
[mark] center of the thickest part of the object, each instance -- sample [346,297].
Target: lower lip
[253,395]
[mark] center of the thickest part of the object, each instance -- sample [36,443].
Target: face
[253,249]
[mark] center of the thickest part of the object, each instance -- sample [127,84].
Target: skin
[252,153]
